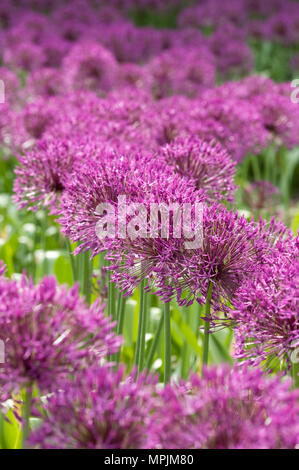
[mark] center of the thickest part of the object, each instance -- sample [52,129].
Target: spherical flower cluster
[89,66]
[49,333]
[235,408]
[170,78]
[265,314]
[208,165]
[44,171]
[98,409]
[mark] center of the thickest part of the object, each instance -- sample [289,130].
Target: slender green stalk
[143,322]
[167,334]
[154,345]
[26,413]
[87,272]
[256,167]
[72,259]
[186,352]
[295,372]
[121,306]
[205,354]
[44,227]
[111,299]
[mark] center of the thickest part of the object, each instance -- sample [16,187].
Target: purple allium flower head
[211,13]
[280,117]
[231,251]
[137,176]
[170,77]
[42,176]
[283,26]
[235,123]
[98,409]
[90,66]
[207,164]
[44,82]
[25,55]
[265,314]
[231,52]
[49,332]
[129,43]
[11,85]
[236,408]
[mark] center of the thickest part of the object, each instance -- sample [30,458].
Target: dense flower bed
[149,103]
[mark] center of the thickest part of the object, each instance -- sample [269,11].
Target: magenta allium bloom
[135,76]
[98,409]
[11,85]
[265,313]
[284,26]
[231,52]
[211,13]
[236,408]
[89,66]
[42,176]
[170,77]
[235,123]
[280,117]
[25,55]
[129,43]
[231,251]
[207,164]
[139,177]
[30,123]
[49,333]
[44,82]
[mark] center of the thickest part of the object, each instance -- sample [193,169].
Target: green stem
[154,345]
[205,354]
[87,276]
[167,333]
[26,413]
[111,298]
[256,167]
[137,347]
[44,227]
[143,319]
[120,319]
[72,260]
[186,353]
[295,372]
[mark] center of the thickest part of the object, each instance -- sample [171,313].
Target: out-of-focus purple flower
[135,76]
[49,333]
[44,171]
[169,77]
[25,55]
[280,118]
[90,66]
[232,54]
[129,43]
[235,123]
[98,409]
[44,82]
[207,164]
[284,26]
[260,195]
[236,408]
[265,314]
[11,85]
[211,13]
